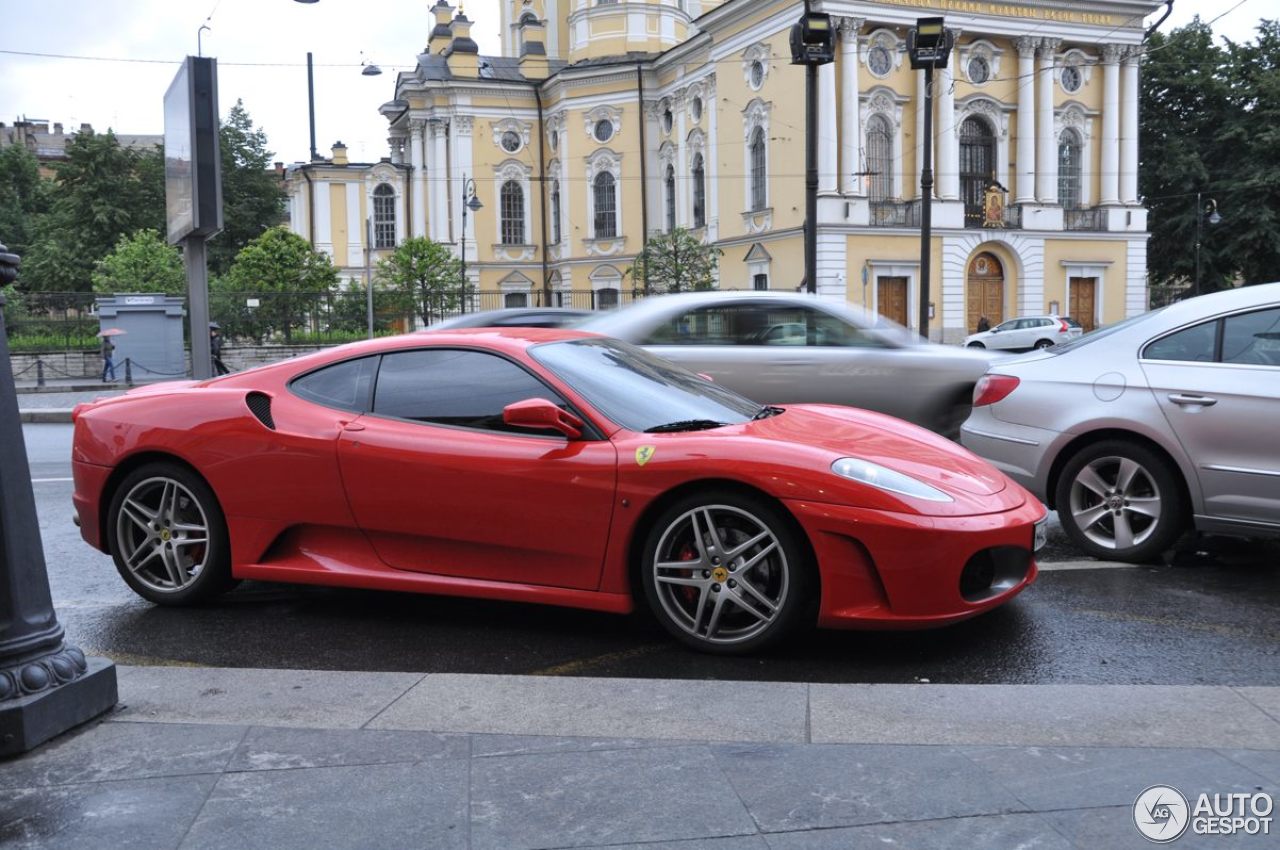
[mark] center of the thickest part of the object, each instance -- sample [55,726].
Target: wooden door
[1082,307]
[891,298]
[984,291]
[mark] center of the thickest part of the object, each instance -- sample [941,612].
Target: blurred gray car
[515,317]
[778,347]
[1140,431]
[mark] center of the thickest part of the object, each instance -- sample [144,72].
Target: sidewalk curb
[45,416]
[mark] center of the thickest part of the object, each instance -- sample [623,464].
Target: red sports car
[548,466]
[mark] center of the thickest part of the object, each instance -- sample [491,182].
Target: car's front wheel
[726,573]
[1042,344]
[168,536]
[1120,501]
[976,345]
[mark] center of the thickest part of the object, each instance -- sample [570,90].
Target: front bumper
[883,570]
[90,482]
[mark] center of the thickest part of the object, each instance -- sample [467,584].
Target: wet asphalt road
[1205,619]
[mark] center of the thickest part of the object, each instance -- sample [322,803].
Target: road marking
[1056,566]
[571,668]
[50,480]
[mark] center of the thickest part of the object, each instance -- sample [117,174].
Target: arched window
[605,192]
[759,166]
[555,211]
[1069,169]
[512,213]
[880,157]
[384,216]
[699,192]
[669,189]
[977,166]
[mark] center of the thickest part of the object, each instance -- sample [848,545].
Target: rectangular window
[760,282]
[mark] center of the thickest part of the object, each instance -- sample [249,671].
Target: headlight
[882,478]
[1041,535]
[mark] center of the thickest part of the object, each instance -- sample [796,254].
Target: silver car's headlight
[882,478]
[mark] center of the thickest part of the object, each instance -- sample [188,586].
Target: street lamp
[1204,209]
[469,202]
[929,46]
[812,45]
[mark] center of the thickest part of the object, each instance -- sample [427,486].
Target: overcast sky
[261,47]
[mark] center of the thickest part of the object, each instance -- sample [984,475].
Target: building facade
[605,122]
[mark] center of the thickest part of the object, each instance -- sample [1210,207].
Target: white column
[946,139]
[828,143]
[419,177]
[1129,127]
[684,203]
[710,158]
[355,226]
[1025,183]
[461,154]
[1047,164]
[438,182]
[913,177]
[850,131]
[1110,124]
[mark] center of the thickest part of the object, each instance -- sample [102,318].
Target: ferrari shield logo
[643,454]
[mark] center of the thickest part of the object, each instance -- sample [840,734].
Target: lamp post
[46,686]
[928,45]
[811,45]
[1204,209]
[469,202]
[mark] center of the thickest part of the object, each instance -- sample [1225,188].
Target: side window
[468,389]
[1007,326]
[708,326]
[342,385]
[1194,344]
[1252,339]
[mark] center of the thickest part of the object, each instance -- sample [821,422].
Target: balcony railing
[895,213]
[1085,219]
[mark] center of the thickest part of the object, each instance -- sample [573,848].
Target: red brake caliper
[689,553]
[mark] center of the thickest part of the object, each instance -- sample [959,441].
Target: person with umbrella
[108,352]
[215,348]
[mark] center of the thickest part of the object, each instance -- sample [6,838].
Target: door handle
[352,426]
[1192,400]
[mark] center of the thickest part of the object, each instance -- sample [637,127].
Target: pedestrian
[108,364]
[215,348]
[983,324]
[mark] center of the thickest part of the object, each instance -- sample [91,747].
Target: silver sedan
[1143,430]
[783,347]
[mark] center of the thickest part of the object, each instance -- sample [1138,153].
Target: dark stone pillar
[46,686]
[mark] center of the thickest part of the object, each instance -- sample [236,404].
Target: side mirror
[541,414]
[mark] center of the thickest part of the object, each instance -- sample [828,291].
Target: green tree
[676,262]
[23,196]
[252,196]
[291,281]
[141,262]
[98,197]
[425,274]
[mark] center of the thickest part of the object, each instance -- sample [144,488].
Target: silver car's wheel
[1120,501]
[976,345]
[168,536]
[1041,345]
[724,574]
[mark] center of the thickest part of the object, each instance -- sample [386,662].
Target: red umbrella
[111,332]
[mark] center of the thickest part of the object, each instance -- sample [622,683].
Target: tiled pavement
[334,760]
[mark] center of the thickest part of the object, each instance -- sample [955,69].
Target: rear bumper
[884,570]
[1019,451]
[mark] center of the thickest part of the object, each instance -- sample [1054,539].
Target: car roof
[487,317]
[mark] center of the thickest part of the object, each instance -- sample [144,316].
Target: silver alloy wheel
[162,534]
[721,574]
[1115,502]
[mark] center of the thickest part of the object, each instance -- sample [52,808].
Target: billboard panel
[192,161]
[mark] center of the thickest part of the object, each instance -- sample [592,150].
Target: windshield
[637,390]
[1101,333]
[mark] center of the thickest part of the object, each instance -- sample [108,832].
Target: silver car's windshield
[638,391]
[1102,333]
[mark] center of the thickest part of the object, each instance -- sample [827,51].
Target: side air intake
[260,407]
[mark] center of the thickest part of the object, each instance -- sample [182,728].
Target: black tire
[975,345]
[1042,344]
[684,601]
[1112,522]
[172,564]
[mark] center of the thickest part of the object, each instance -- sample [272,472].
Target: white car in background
[1026,333]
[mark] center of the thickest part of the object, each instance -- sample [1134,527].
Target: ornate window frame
[884,101]
[607,277]
[986,50]
[888,39]
[1076,116]
[758,52]
[1081,61]
[602,161]
[756,116]
[511,125]
[393,177]
[592,117]
[555,202]
[996,114]
[513,171]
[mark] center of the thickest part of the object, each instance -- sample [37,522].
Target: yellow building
[604,122]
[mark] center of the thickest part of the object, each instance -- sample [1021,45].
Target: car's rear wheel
[1042,344]
[726,573]
[168,536]
[1120,501]
[976,345]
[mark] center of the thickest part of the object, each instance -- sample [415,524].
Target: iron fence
[1083,219]
[51,321]
[895,213]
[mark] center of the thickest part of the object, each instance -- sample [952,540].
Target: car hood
[884,440]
